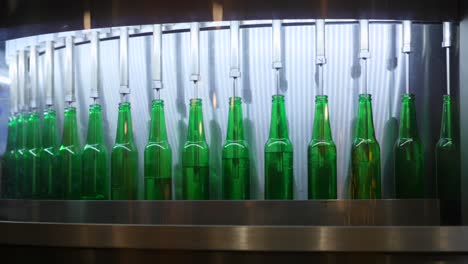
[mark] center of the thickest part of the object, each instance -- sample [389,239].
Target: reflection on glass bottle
[321,155]
[21,180]
[158,157]
[70,156]
[124,158]
[195,157]
[49,184]
[448,169]
[95,185]
[279,177]
[409,175]
[32,156]
[9,167]
[235,155]
[365,163]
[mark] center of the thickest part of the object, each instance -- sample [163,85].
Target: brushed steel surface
[238,238]
[326,212]
[342,77]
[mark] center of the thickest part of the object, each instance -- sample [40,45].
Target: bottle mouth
[365,97]
[447,98]
[235,100]
[408,96]
[124,105]
[195,101]
[95,106]
[70,109]
[158,102]
[320,98]
[277,97]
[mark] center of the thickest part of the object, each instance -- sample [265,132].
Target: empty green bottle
[448,169]
[21,177]
[409,176]
[279,177]
[95,185]
[32,156]
[235,155]
[124,158]
[321,155]
[365,163]
[195,157]
[70,156]
[9,167]
[49,184]
[158,157]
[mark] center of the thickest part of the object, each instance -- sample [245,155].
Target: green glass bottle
[365,163]
[9,168]
[21,178]
[448,169]
[49,184]
[279,177]
[321,155]
[70,156]
[32,156]
[409,175]
[124,158]
[235,156]
[158,157]
[195,157]
[95,185]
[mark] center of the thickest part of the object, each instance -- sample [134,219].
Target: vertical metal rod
[157,60]
[95,81]
[447,43]
[13,86]
[276,56]
[33,71]
[407,50]
[235,61]
[195,55]
[320,53]
[447,50]
[70,70]
[22,80]
[49,73]
[124,79]
[364,53]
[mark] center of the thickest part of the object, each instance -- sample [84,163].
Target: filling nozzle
[277,58]
[320,59]
[447,43]
[364,53]
[407,50]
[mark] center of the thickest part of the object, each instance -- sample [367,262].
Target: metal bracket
[235,61]
[447,35]
[33,73]
[94,69]
[364,39]
[277,60]
[22,80]
[320,57]
[124,72]
[13,85]
[49,72]
[195,51]
[406,36]
[70,69]
[157,57]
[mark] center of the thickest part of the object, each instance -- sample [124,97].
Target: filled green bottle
[235,155]
[448,169]
[279,177]
[321,155]
[124,158]
[195,157]
[9,168]
[409,165]
[70,156]
[21,177]
[158,157]
[50,184]
[365,163]
[32,156]
[95,185]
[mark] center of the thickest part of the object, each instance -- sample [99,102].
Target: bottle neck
[95,131]
[322,130]
[34,129]
[21,131]
[12,127]
[50,136]
[408,123]
[158,122]
[196,131]
[446,128]
[124,124]
[365,124]
[70,128]
[279,123]
[235,130]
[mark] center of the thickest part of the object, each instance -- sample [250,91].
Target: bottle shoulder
[408,143]
[124,147]
[98,147]
[195,145]
[366,144]
[275,143]
[315,143]
[158,146]
[71,150]
[446,143]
